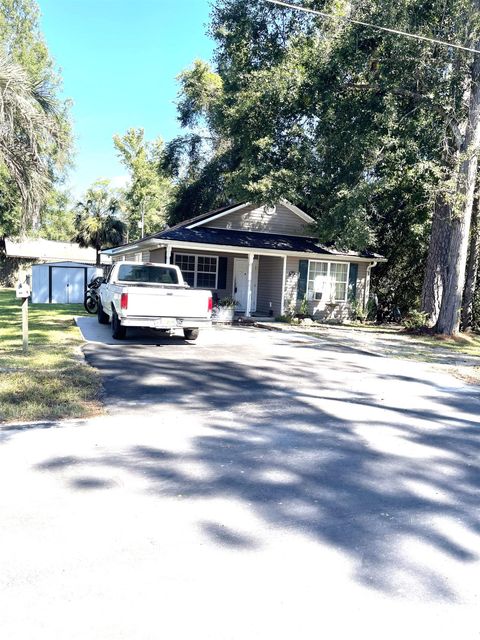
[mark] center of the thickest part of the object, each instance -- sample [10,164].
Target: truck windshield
[147,273]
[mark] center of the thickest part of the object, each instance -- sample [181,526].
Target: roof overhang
[198,246]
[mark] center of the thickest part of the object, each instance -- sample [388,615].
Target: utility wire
[329,16]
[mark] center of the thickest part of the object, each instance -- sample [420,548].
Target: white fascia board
[301,214]
[139,246]
[197,246]
[218,215]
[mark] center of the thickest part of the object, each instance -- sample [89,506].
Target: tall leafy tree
[465,176]
[202,160]
[57,219]
[98,223]
[149,189]
[359,127]
[468,302]
[28,128]
[34,126]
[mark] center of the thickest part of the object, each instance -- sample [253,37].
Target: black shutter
[222,273]
[302,279]
[352,282]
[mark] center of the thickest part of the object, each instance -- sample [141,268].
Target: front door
[240,283]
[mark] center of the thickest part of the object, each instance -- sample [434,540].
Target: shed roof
[72,265]
[49,250]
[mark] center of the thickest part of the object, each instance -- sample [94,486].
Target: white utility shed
[61,282]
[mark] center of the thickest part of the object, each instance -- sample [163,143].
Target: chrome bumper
[165,323]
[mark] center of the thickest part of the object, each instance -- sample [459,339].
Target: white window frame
[328,279]
[196,256]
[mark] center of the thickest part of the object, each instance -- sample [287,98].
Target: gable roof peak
[219,213]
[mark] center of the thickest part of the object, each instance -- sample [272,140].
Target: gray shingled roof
[254,240]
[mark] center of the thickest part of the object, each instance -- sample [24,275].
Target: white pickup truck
[148,294]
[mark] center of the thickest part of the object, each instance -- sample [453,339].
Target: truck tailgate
[167,302]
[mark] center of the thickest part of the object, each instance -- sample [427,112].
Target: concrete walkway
[252,485]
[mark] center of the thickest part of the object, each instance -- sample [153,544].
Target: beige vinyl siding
[158,255]
[291,285]
[270,276]
[340,312]
[361,281]
[129,257]
[254,218]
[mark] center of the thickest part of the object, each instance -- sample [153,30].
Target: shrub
[358,312]
[415,320]
[303,309]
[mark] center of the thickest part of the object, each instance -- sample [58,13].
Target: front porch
[255,281]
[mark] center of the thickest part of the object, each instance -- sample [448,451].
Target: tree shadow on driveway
[340,466]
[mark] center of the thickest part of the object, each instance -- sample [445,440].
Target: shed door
[68,284]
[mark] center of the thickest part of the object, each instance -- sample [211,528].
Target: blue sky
[119,60]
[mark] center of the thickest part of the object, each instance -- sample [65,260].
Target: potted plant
[224,310]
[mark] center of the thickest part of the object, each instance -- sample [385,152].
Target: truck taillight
[124,301]
[210,303]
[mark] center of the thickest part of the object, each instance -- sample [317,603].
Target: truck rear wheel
[101,315]
[190,334]
[118,331]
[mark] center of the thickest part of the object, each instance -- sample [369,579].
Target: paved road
[250,485]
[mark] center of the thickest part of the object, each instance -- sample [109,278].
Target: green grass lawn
[52,380]
[467,343]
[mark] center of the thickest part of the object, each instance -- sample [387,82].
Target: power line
[329,16]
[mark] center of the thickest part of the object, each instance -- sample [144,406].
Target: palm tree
[97,220]
[31,131]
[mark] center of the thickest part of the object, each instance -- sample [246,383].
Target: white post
[25,324]
[249,286]
[284,280]
[366,291]
[168,254]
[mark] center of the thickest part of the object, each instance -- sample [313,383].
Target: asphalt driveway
[250,485]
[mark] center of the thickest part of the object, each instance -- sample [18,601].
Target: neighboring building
[21,254]
[264,257]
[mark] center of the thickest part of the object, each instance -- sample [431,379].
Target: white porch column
[168,254]
[366,291]
[284,280]
[249,285]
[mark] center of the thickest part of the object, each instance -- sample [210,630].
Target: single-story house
[266,258]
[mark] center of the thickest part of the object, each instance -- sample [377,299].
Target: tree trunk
[449,316]
[97,263]
[436,268]
[472,269]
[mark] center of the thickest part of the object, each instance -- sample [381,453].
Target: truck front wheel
[190,334]
[118,331]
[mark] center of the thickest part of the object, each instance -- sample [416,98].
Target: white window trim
[195,272]
[328,277]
